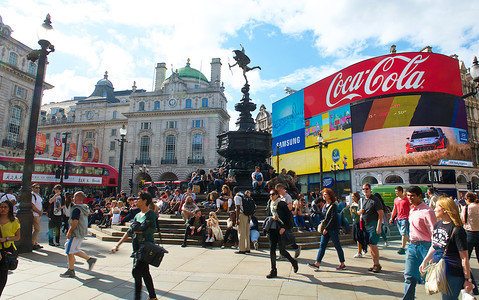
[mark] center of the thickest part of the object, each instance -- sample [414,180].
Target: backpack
[249,206]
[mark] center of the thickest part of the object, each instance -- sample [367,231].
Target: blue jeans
[456,284]
[473,242]
[299,221]
[257,186]
[254,234]
[218,184]
[334,236]
[415,254]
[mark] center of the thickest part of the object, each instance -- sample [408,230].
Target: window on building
[32,68]
[47,136]
[144,148]
[13,59]
[393,179]
[113,132]
[47,148]
[157,105]
[20,92]
[90,150]
[111,160]
[197,147]
[58,135]
[115,114]
[89,135]
[146,125]
[171,124]
[370,180]
[141,106]
[188,103]
[170,147]
[204,102]
[197,86]
[197,123]
[14,125]
[112,145]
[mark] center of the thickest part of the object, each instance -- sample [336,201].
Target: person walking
[372,216]
[243,222]
[331,231]
[449,241]
[76,233]
[359,235]
[37,211]
[142,229]
[10,229]
[55,216]
[421,225]
[401,213]
[283,219]
[470,218]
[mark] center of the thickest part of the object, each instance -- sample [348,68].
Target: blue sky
[296,43]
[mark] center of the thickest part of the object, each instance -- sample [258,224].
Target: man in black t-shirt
[372,216]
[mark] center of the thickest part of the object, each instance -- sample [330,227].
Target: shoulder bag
[151,253]
[269,224]
[436,275]
[9,256]
[322,225]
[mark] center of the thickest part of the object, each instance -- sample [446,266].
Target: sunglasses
[365,189]
[273,194]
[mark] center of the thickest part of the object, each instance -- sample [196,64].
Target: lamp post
[277,159]
[64,141]
[24,213]
[123,132]
[474,72]
[334,169]
[132,166]
[321,144]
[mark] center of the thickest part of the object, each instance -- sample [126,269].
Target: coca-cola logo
[385,75]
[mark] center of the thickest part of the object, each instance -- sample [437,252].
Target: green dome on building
[189,72]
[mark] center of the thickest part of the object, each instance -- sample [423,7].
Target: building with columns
[171,130]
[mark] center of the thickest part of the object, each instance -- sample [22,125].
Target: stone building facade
[17,81]
[171,131]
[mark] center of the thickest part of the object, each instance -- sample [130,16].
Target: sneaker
[36,247]
[314,267]
[222,246]
[341,267]
[386,244]
[358,255]
[91,262]
[256,246]
[68,273]
[183,245]
[402,251]
[297,252]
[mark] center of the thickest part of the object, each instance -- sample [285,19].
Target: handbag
[196,188]
[436,275]
[151,253]
[322,225]
[9,256]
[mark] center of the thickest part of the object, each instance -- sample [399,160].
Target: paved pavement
[198,273]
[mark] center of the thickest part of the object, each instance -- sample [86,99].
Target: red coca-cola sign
[392,74]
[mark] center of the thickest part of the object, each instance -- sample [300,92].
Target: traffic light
[58,173]
[65,176]
[130,183]
[469,185]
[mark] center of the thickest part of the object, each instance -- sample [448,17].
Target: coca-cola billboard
[402,73]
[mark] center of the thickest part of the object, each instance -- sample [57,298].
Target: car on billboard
[426,139]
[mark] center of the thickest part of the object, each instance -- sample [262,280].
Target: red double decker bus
[86,176]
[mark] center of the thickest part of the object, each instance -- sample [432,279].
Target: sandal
[377,268]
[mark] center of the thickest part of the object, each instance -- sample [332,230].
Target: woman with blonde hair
[225,196]
[449,241]
[214,230]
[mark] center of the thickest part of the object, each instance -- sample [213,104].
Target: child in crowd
[214,230]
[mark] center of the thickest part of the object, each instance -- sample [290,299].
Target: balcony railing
[13,144]
[143,161]
[196,161]
[169,161]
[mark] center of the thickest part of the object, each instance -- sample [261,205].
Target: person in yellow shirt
[10,229]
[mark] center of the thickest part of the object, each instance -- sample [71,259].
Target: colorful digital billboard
[288,114]
[409,130]
[384,75]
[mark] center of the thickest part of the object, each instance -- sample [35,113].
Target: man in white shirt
[8,196]
[37,211]
[243,223]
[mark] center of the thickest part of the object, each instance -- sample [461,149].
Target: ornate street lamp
[25,212]
[321,144]
[64,141]
[475,70]
[123,132]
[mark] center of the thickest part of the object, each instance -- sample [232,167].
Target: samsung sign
[289,142]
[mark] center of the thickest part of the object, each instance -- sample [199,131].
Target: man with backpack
[8,196]
[245,208]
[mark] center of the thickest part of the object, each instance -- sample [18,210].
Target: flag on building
[57,151]
[40,143]
[73,151]
[84,156]
[96,155]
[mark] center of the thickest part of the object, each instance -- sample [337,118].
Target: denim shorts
[403,226]
[373,235]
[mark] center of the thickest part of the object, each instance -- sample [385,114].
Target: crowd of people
[431,227]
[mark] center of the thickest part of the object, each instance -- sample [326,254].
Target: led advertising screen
[409,130]
[288,114]
[402,73]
